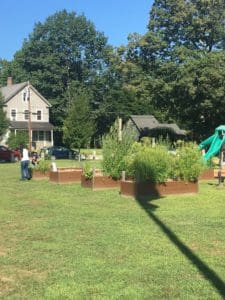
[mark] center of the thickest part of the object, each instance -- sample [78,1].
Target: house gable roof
[145,123]
[8,92]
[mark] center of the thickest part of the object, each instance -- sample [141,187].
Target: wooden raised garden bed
[211,174]
[149,189]
[216,173]
[207,175]
[99,182]
[38,175]
[66,175]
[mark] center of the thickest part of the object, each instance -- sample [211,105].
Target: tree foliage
[195,24]
[17,140]
[175,71]
[79,125]
[182,57]
[4,122]
[115,150]
[65,48]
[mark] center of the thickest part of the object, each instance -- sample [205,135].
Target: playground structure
[215,143]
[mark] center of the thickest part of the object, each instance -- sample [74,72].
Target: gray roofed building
[148,125]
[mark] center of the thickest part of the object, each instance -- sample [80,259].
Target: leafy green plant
[188,163]
[211,163]
[114,150]
[157,164]
[149,163]
[43,166]
[88,171]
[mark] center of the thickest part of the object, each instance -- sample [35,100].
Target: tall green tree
[4,122]
[79,125]
[194,24]
[66,47]
[198,94]
[5,71]
[182,54]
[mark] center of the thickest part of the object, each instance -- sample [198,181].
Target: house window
[48,136]
[26,114]
[13,115]
[38,115]
[35,136]
[41,135]
[26,94]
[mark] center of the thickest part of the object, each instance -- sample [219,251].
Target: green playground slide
[215,141]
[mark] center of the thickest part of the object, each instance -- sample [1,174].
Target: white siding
[20,105]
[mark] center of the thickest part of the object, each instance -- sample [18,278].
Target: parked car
[59,152]
[7,154]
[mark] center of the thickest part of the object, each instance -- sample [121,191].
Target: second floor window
[26,114]
[26,94]
[39,115]
[13,115]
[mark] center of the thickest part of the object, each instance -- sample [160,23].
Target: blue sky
[116,18]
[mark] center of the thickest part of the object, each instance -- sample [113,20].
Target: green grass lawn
[65,242]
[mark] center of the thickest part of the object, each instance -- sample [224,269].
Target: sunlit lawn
[65,242]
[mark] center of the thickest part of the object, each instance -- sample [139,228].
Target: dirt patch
[35,203]
[5,279]
[3,251]
[6,285]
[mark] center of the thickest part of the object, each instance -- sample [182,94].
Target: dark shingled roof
[11,90]
[34,125]
[143,121]
[146,123]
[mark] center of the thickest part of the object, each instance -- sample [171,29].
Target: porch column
[52,138]
[44,138]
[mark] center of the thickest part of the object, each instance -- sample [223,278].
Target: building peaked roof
[9,91]
[145,123]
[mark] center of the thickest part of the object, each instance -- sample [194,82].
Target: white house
[27,110]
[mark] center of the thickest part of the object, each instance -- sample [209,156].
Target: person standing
[25,161]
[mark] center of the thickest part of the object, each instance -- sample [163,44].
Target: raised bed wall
[37,175]
[99,182]
[144,189]
[66,175]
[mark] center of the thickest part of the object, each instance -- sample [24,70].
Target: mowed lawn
[65,242]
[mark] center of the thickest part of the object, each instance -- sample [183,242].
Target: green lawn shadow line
[208,273]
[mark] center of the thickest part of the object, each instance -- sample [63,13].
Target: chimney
[9,81]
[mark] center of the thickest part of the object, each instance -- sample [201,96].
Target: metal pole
[221,179]
[120,129]
[29,118]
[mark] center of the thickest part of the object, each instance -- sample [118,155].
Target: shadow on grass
[208,273]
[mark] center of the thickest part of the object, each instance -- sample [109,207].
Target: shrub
[43,166]
[157,164]
[88,171]
[16,140]
[147,163]
[114,151]
[188,163]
